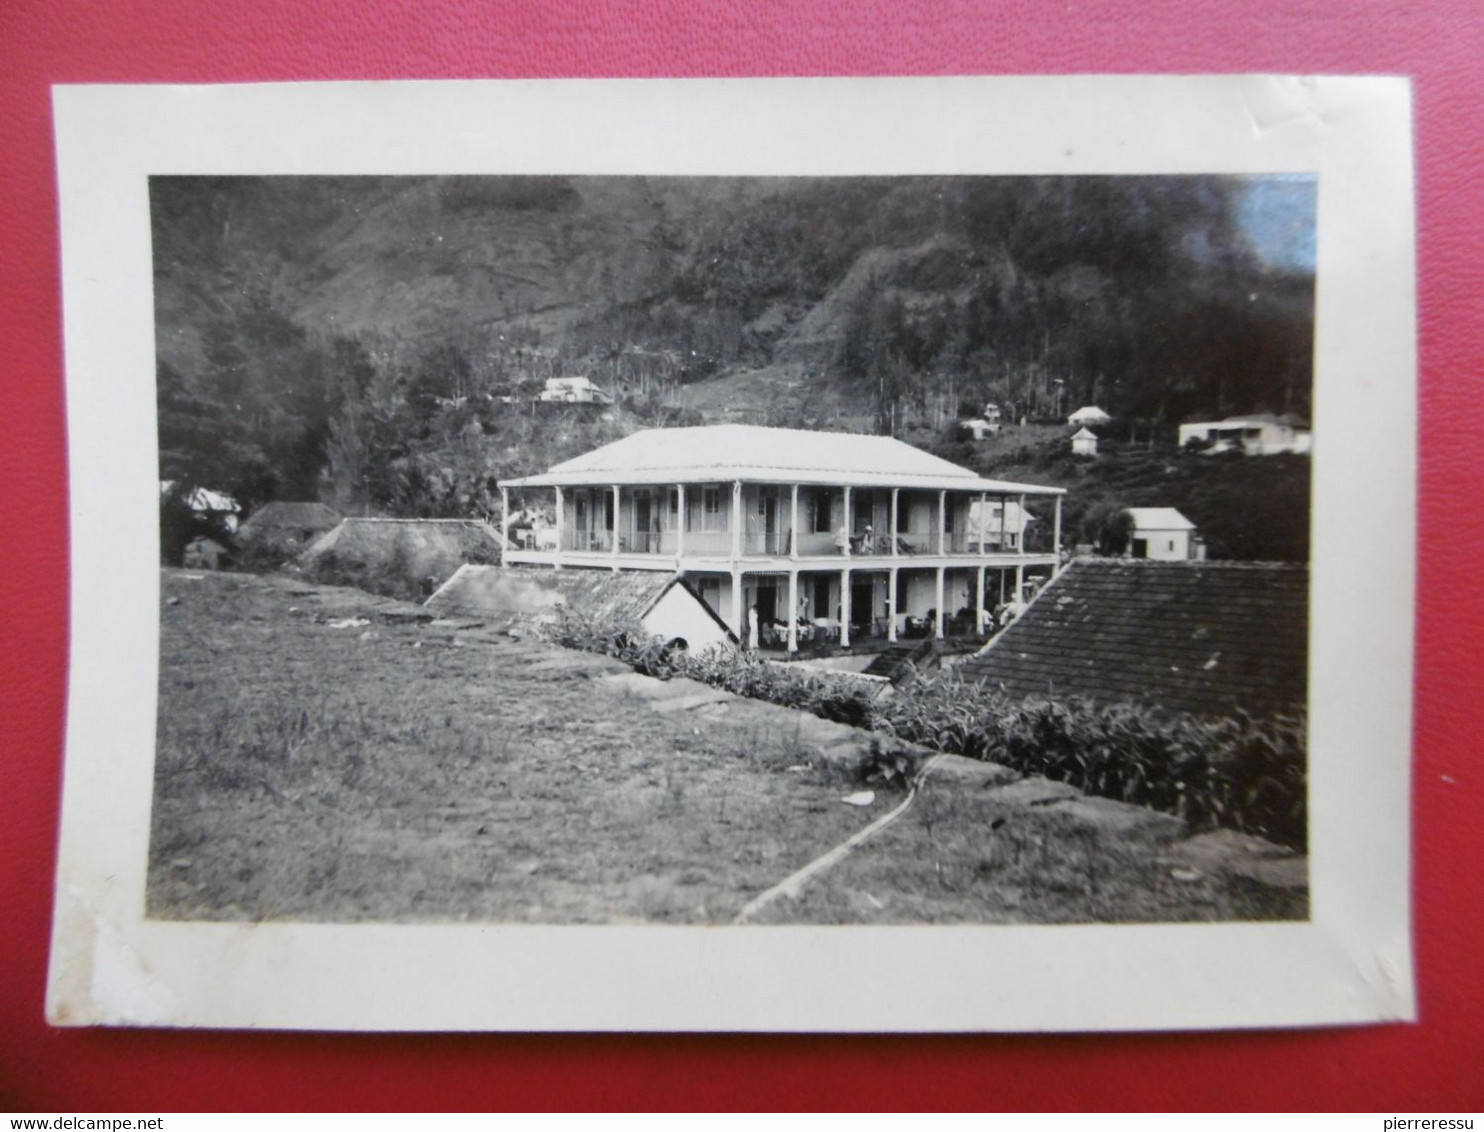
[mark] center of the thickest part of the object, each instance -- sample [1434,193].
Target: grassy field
[318,762]
[377,771]
[961,856]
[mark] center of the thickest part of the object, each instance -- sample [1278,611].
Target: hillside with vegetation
[1254,508]
[378,342]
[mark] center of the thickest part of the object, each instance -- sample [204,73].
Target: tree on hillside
[205,442]
[1108,526]
[203,446]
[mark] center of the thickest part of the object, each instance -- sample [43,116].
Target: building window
[821,506]
[821,606]
[948,511]
[711,517]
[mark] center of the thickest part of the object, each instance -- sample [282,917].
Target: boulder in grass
[971,772]
[1034,791]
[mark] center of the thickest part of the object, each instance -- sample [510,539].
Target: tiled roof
[717,453]
[1201,637]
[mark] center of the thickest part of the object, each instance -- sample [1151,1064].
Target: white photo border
[1351,963]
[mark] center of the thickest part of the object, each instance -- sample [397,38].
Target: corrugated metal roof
[203,499]
[522,594]
[752,453]
[1202,637]
[1159,519]
[1088,413]
[423,548]
[377,536]
[1292,420]
[297,516]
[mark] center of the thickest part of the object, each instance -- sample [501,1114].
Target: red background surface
[1436,1065]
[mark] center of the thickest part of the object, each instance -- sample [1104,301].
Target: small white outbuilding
[1084,443]
[1260,434]
[1162,534]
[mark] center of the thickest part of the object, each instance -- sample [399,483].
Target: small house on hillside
[662,604]
[1162,533]
[978,428]
[289,524]
[419,552]
[1260,434]
[1084,442]
[203,554]
[575,391]
[207,505]
[1089,415]
[1207,638]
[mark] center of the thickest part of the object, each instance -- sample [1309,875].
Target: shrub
[1239,772]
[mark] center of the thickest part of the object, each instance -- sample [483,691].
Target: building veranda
[795,537]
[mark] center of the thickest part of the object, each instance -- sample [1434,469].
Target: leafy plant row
[1237,772]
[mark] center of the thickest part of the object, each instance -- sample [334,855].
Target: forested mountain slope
[352,338]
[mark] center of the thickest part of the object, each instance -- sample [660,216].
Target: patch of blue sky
[1277,213]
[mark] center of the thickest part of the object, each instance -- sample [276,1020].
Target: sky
[1277,213]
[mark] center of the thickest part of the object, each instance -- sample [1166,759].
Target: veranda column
[793,529]
[845,607]
[793,611]
[891,599]
[847,522]
[680,526]
[505,527]
[894,525]
[736,519]
[1056,533]
[613,546]
[1020,544]
[938,618]
[979,602]
[1019,582]
[561,527]
[942,499]
[738,625]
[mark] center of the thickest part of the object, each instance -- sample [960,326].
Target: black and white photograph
[858,550]
[675,555]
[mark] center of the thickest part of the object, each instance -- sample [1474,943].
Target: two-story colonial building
[794,536]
